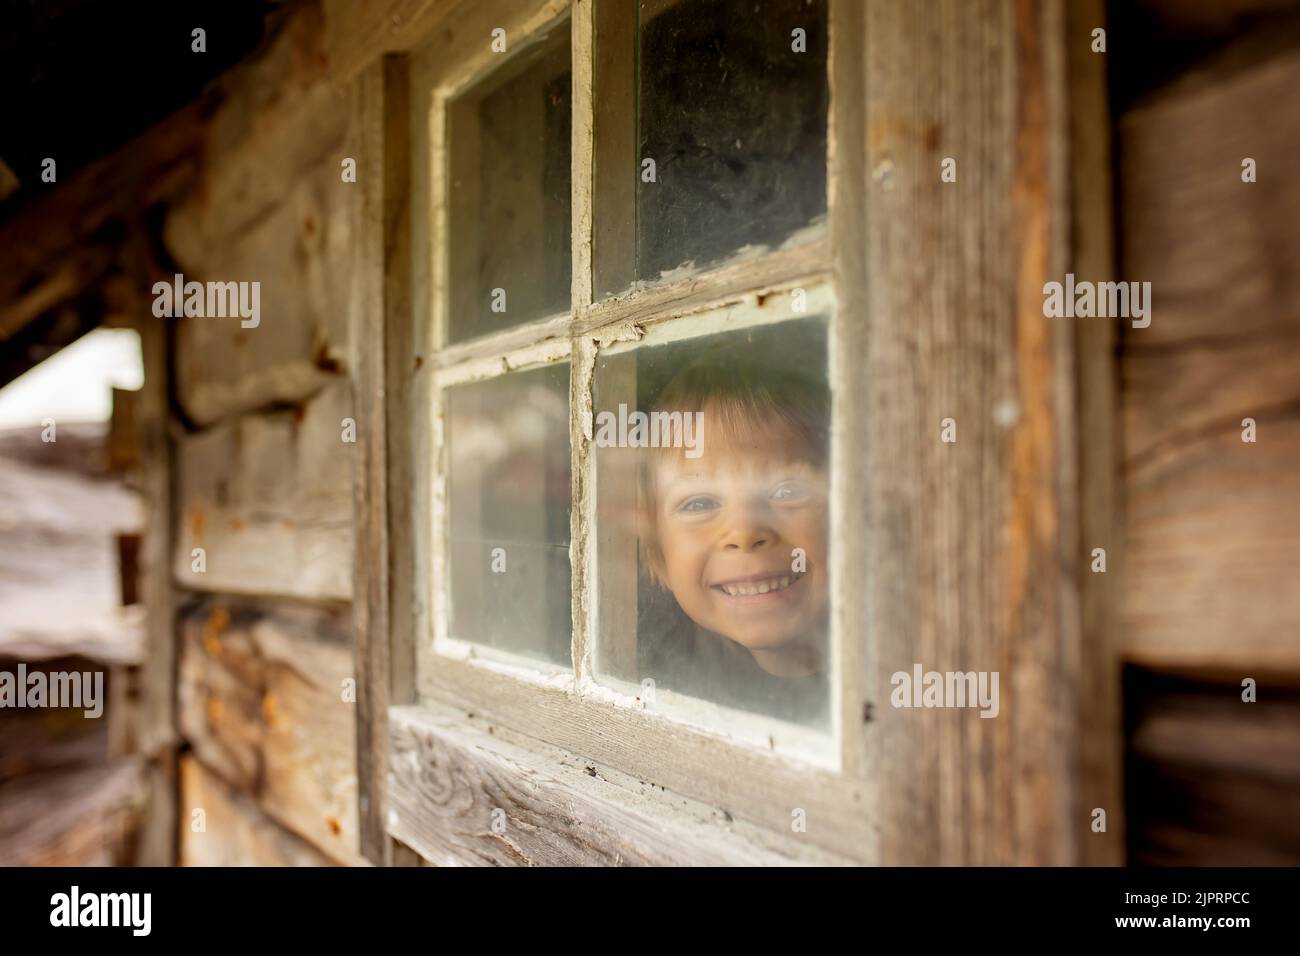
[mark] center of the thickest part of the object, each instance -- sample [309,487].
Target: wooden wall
[70,793]
[263,474]
[1213,522]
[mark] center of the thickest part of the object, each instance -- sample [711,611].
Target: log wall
[1213,521]
[263,473]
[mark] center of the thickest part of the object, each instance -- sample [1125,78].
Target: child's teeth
[758,587]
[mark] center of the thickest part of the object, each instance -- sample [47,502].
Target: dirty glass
[731,109]
[712,458]
[508,512]
[509,199]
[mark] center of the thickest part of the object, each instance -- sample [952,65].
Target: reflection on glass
[508,510]
[712,540]
[509,246]
[732,101]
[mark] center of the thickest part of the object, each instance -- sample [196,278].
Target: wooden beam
[1212,528]
[262,702]
[64,242]
[378,108]
[1092,253]
[358,35]
[268,497]
[973,545]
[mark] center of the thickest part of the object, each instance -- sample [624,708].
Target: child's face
[728,524]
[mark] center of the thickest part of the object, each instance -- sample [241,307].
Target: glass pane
[731,102]
[712,459]
[508,506]
[509,247]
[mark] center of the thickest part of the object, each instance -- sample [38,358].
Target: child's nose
[748,530]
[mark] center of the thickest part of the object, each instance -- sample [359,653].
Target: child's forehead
[734,458]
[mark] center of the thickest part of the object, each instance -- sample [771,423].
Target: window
[509,191]
[631,469]
[711,527]
[508,524]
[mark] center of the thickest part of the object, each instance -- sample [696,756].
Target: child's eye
[790,491]
[700,504]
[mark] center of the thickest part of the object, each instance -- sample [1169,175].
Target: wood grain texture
[749,782]
[269,499]
[59,589]
[270,207]
[261,703]
[1092,252]
[971,564]
[358,35]
[151,722]
[451,776]
[234,831]
[379,123]
[73,817]
[1212,779]
[1213,522]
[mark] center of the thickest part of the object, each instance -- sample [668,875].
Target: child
[738,536]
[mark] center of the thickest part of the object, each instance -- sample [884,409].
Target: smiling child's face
[727,526]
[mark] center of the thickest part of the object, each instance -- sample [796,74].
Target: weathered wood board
[262,705]
[60,592]
[271,207]
[268,497]
[75,817]
[1212,779]
[460,794]
[39,740]
[1213,523]
[222,827]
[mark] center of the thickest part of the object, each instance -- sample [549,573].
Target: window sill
[461,792]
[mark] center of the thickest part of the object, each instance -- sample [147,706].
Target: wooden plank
[230,830]
[747,780]
[271,207]
[1213,531]
[356,36]
[461,794]
[1212,778]
[39,740]
[1213,548]
[58,552]
[1205,19]
[1214,248]
[970,560]
[79,448]
[153,722]
[459,30]
[78,817]
[1092,199]
[847,226]
[379,118]
[269,499]
[262,705]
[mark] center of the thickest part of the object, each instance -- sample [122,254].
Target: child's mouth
[755,587]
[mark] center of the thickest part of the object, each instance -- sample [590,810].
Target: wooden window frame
[761,783]
[610,783]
